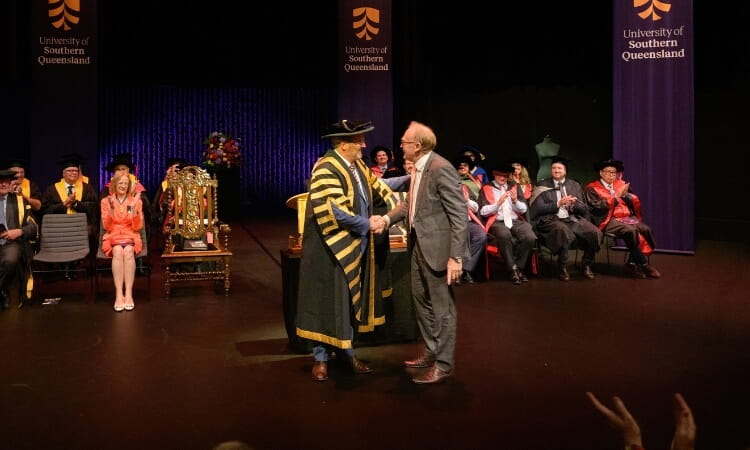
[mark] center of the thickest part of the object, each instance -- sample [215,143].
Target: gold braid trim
[324,339]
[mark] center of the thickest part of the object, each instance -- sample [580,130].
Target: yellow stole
[62,190]
[26,188]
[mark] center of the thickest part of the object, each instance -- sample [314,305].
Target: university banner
[653,116]
[365,67]
[64,87]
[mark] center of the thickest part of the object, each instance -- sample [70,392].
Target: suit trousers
[524,236]
[477,243]
[629,233]
[10,259]
[434,304]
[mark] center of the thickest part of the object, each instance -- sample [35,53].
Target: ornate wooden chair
[197,246]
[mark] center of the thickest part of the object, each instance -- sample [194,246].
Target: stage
[202,368]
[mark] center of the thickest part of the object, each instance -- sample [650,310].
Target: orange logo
[64,13]
[654,6]
[366,21]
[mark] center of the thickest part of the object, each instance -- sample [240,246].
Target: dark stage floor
[203,368]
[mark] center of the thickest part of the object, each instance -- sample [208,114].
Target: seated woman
[521,176]
[122,218]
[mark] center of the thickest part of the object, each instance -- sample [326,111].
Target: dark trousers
[11,258]
[629,233]
[477,243]
[566,232]
[524,237]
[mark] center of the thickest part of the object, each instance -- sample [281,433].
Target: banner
[365,68]
[653,113]
[64,87]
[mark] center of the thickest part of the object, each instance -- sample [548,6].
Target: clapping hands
[621,419]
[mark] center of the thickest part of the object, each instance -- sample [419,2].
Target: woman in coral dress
[122,218]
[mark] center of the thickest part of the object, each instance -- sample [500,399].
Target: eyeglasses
[70,170]
[409,142]
[611,172]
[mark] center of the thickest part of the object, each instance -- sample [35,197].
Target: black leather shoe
[4,299]
[588,273]
[320,371]
[564,275]
[522,276]
[514,277]
[466,277]
[358,366]
[636,271]
[422,360]
[432,376]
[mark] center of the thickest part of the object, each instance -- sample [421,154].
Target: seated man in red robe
[617,211]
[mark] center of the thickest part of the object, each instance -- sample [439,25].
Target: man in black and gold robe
[339,293]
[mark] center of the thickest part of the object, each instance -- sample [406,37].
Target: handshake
[378,224]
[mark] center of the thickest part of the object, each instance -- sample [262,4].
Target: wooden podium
[400,320]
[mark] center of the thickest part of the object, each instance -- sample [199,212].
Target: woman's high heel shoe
[129,306]
[119,308]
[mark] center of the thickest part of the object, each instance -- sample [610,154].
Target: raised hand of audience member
[621,419]
[684,425]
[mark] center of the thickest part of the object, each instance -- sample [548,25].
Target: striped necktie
[355,175]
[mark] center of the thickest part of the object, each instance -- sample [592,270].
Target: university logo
[652,10]
[64,13]
[366,21]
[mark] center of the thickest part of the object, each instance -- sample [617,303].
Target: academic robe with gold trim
[339,292]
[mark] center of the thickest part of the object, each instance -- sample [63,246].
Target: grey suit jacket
[440,214]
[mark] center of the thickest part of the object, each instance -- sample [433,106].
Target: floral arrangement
[221,151]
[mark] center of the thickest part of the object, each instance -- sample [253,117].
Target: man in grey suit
[436,215]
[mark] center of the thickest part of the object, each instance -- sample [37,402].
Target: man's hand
[11,235]
[622,190]
[454,270]
[377,224]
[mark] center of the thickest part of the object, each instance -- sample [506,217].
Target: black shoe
[467,278]
[4,300]
[522,276]
[564,275]
[635,271]
[515,277]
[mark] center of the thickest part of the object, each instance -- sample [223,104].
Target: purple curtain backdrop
[366,67]
[279,128]
[653,115]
